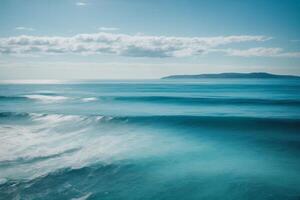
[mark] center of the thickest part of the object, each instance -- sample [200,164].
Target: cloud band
[129,45]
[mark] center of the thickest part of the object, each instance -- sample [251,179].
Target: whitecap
[89,99]
[98,118]
[47,98]
[43,143]
[84,197]
[55,118]
[3,181]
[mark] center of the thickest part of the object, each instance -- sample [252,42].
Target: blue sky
[122,39]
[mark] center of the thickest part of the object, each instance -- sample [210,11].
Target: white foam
[89,99]
[52,135]
[55,118]
[47,98]
[84,197]
[3,181]
[98,118]
[25,143]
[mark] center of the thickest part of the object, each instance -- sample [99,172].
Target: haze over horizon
[91,39]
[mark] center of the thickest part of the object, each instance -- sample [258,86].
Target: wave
[213,100]
[55,98]
[14,115]
[57,141]
[89,99]
[12,98]
[84,197]
[215,122]
[172,120]
[47,98]
[55,118]
[28,160]
[51,119]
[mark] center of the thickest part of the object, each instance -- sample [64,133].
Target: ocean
[151,140]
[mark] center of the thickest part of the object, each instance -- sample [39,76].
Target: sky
[142,39]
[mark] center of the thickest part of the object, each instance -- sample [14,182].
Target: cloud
[119,44]
[108,29]
[261,52]
[81,4]
[136,45]
[22,28]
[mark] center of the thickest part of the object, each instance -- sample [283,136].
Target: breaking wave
[47,98]
[53,98]
[48,142]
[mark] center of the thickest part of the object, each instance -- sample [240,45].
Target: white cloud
[119,44]
[22,28]
[261,52]
[108,29]
[136,45]
[81,4]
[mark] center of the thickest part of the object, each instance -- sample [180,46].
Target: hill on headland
[231,75]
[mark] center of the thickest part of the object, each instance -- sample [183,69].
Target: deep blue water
[157,139]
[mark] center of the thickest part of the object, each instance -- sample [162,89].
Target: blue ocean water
[154,139]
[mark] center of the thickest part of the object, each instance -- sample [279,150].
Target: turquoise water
[155,139]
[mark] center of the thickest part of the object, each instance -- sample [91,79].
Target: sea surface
[151,140]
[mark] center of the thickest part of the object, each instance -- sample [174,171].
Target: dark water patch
[134,181]
[218,122]
[203,100]
[14,117]
[12,98]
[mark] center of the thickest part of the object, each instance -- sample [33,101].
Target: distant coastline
[231,75]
